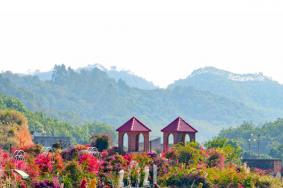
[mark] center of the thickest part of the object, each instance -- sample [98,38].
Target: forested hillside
[44,125]
[268,137]
[131,79]
[91,95]
[254,90]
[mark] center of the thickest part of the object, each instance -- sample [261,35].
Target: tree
[277,152]
[14,129]
[231,148]
[101,142]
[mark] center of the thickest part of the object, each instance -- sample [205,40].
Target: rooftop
[179,125]
[133,125]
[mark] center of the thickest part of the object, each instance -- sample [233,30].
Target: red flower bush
[58,162]
[89,162]
[215,159]
[44,161]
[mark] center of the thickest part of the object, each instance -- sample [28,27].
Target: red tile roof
[133,125]
[179,125]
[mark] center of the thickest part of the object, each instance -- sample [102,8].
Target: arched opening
[125,142]
[170,140]
[140,142]
[187,139]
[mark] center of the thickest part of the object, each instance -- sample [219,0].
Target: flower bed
[182,166]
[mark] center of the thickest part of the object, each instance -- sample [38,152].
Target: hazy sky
[158,40]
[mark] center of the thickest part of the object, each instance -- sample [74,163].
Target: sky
[161,41]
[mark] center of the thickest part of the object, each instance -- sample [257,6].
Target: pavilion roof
[179,125]
[133,125]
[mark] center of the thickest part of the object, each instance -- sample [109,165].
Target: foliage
[72,174]
[85,170]
[44,161]
[212,169]
[14,129]
[88,95]
[215,159]
[41,124]
[277,152]
[229,148]
[89,163]
[101,142]
[267,137]
[184,177]
[190,154]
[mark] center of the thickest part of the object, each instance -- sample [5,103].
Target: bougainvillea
[44,161]
[89,163]
[202,167]
[215,159]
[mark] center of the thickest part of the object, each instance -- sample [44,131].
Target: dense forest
[266,139]
[44,125]
[88,95]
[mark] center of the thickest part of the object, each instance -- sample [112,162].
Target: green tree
[101,142]
[231,148]
[277,152]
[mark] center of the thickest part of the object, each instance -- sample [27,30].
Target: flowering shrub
[183,166]
[72,174]
[33,150]
[183,177]
[54,183]
[89,163]
[44,162]
[189,154]
[215,159]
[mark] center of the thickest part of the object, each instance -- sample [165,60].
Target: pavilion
[134,128]
[179,128]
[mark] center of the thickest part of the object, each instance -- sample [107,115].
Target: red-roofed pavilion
[133,128]
[179,128]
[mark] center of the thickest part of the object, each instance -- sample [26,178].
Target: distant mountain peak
[210,70]
[229,75]
[93,66]
[130,78]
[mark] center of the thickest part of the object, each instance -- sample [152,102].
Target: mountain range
[210,99]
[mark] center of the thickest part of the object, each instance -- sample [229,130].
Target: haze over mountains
[131,79]
[210,99]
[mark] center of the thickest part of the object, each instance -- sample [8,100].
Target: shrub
[101,142]
[33,150]
[189,154]
[183,177]
[44,162]
[215,159]
[89,163]
[72,175]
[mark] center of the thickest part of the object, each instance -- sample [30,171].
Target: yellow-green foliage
[189,154]
[14,129]
[210,168]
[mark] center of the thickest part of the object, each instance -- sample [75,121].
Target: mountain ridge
[92,95]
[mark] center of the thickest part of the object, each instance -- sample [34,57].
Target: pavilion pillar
[175,135]
[192,137]
[121,141]
[165,142]
[132,142]
[137,142]
[146,141]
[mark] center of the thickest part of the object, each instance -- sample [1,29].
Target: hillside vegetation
[268,137]
[42,124]
[88,95]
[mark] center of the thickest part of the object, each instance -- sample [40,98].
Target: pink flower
[19,164]
[83,184]
[90,162]
[104,154]
[44,162]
